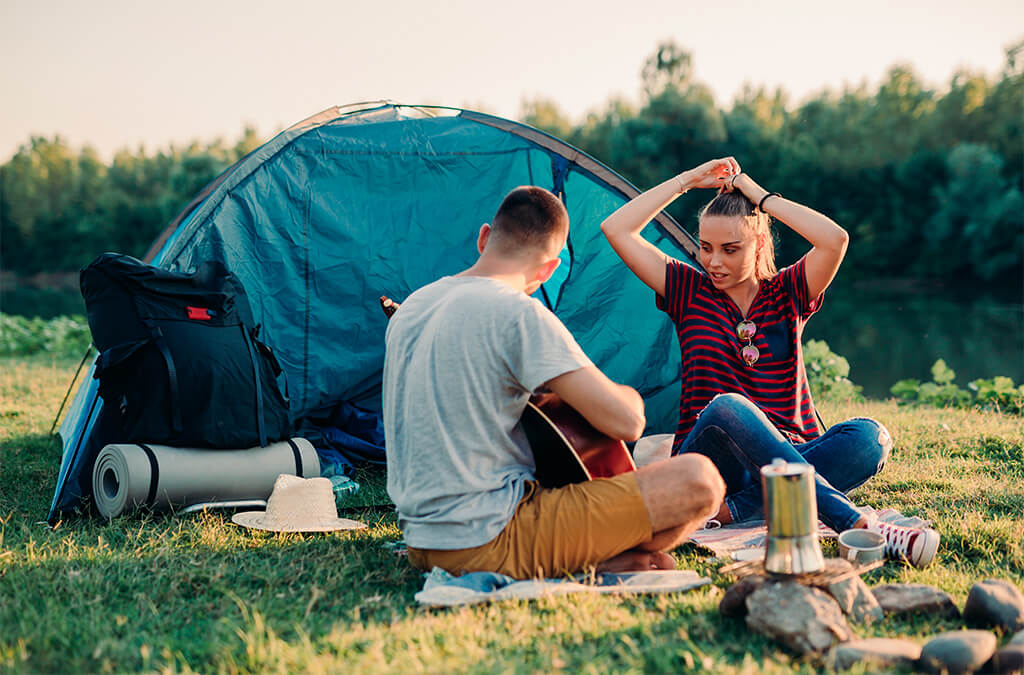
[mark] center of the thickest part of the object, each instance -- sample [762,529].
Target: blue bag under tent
[380,199]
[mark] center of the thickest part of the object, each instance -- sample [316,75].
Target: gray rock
[802,618]
[958,651]
[1009,659]
[995,602]
[856,600]
[837,565]
[734,602]
[876,652]
[897,599]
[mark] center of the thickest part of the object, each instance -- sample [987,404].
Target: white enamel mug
[861,547]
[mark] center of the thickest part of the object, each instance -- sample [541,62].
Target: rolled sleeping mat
[127,476]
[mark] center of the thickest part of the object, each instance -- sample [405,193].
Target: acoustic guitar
[566,447]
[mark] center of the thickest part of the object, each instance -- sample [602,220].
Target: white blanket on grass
[442,589]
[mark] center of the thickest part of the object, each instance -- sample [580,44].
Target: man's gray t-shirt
[463,356]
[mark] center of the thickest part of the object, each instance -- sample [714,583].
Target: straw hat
[298,505]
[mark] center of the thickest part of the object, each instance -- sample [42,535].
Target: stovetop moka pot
[791,512]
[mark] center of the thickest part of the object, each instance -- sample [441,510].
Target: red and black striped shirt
[706,319]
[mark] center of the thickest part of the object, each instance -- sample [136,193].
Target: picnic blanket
[442,589]
[746,540]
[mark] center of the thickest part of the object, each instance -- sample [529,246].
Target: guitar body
[567,448]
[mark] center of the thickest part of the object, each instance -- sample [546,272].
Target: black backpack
[180,363]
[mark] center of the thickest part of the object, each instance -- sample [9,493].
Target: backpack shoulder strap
[172,375]
[261,427]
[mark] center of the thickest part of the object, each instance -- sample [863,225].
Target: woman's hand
[623,227]
[746,186]
[829,241]
[712,174]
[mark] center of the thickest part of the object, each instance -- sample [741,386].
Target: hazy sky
[119,73]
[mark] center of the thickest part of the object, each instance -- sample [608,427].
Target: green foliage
[669,67]
[544,114]
[827,373]
[999,393]
[941,373]
[59,209]
[978,225]
[906,389]
[63,337]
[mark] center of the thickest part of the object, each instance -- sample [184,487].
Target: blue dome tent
[379,199]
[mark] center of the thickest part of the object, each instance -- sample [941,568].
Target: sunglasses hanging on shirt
[745,330]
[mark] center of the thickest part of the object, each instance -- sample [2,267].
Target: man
[463,356]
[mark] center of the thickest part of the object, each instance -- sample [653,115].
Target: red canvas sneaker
[917,545]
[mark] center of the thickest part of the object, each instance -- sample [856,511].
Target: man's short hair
[529,217]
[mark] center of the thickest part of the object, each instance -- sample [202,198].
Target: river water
[888,335]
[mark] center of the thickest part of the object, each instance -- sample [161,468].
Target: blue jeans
[735,434]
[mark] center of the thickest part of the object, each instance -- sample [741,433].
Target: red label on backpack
[198,313]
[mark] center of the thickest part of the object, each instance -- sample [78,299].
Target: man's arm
[614,409]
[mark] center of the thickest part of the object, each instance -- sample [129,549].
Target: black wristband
[760,204]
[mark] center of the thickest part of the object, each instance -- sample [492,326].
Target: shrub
[64,336]
[999,393]
[827,373]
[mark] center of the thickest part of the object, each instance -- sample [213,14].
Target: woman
[745,399]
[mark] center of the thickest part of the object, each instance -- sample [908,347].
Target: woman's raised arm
[623,227]
[828,240]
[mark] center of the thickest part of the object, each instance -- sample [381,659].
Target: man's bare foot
[638,561]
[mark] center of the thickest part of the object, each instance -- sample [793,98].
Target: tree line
[60,208]
[927,182]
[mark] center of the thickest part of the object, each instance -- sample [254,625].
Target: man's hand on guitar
[614,409]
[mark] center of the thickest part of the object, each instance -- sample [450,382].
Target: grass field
[195,593]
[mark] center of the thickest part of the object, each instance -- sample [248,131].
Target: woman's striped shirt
[706,319]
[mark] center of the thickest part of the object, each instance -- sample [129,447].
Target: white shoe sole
[929,547]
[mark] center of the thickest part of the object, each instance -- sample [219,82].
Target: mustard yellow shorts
[555,532]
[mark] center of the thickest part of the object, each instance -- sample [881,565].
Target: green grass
[153,592]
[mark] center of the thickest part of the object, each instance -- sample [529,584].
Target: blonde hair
[735,205]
